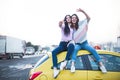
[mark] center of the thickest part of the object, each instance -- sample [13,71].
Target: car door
[79,74]
[112,64]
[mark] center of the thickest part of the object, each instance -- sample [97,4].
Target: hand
[60,23]
[71,42]
[79,10]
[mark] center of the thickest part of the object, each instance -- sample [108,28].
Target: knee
[77,48]
[71,46]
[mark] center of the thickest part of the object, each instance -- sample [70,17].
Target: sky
[37,20]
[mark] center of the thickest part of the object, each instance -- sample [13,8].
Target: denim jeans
[62,47]
[85,46]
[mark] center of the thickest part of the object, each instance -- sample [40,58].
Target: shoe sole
[63,68]
[72,71]
[57,75]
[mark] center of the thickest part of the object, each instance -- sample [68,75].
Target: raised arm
[80,10]
[60,23]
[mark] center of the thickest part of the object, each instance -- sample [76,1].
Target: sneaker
[63,64]
[103,69]
[72,69]
[56,72]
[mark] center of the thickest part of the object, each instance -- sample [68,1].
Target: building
[117,47]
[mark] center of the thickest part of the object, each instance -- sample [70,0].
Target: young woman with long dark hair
[80,38]
[64,45]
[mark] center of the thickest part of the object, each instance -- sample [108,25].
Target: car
[38,52]
[86,67]
[29,50]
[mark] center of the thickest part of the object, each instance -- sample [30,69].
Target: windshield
[43,59]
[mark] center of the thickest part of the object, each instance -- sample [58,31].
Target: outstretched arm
[60,23]
[80,10]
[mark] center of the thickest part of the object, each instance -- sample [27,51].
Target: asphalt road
[17,69]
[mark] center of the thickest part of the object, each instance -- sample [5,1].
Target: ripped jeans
[63,46]
[85,46]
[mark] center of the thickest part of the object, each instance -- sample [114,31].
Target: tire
[21,56]
[10,56]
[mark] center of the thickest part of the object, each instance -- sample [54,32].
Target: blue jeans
[62,47]
[85,46]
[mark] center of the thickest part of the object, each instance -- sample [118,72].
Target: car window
[78,64]
[111,62]
[93,62]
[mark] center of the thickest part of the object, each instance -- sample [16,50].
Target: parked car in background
[38,52]
[86,67]
[29,50]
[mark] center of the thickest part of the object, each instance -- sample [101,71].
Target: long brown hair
[66,29]
[76,24]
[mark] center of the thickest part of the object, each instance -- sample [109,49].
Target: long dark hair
[66,29]
[76,24]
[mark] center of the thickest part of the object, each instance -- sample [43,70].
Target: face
[68,19]
[74,19]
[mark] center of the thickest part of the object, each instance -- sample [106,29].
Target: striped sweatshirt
[80,35]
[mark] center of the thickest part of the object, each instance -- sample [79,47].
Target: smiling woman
[31,20]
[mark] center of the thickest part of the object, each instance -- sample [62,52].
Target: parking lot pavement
[17,68]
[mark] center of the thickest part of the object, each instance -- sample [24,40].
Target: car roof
[84,52]
[62,55]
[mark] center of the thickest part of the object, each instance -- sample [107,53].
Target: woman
[67,35]
[80,39]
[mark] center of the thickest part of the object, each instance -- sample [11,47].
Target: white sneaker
[62,65]
[103,69]
[72,69]
[56,72]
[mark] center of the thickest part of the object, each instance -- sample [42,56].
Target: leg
[86,46]
[56,51]
[74,56]
[59,49]
[68,55]
[69,51]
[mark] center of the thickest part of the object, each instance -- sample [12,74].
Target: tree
[28,44]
